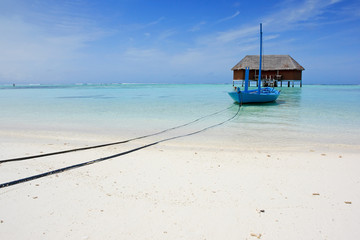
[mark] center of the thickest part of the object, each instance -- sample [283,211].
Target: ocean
[314,114]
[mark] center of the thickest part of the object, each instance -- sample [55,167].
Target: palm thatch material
[270,63]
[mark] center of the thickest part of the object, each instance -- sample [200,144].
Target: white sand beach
[205,186]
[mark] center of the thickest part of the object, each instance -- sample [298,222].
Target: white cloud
[71,49]
[229,18]
[270,37]
[138,54]
[155,22]
[166,34]
[298,14]
[197,27]
[232,35]
[28,51]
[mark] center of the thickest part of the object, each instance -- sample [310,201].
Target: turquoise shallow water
[317,113]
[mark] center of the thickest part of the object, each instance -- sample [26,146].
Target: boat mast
[259,80]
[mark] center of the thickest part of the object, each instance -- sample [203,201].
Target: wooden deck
[273,83]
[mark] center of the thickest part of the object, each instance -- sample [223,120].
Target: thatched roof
[270,62]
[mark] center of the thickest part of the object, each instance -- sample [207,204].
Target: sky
[164,41]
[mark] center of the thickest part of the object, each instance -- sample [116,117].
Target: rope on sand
[108,144]
[3,185]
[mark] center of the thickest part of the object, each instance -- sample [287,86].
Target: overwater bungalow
[275,70]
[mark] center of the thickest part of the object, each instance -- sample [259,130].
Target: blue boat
[259,95]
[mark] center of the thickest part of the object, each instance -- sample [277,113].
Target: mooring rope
[3,185]
[109,144]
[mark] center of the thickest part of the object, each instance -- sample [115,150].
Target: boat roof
[269,62]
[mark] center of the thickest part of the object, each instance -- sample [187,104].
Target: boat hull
[269,95]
